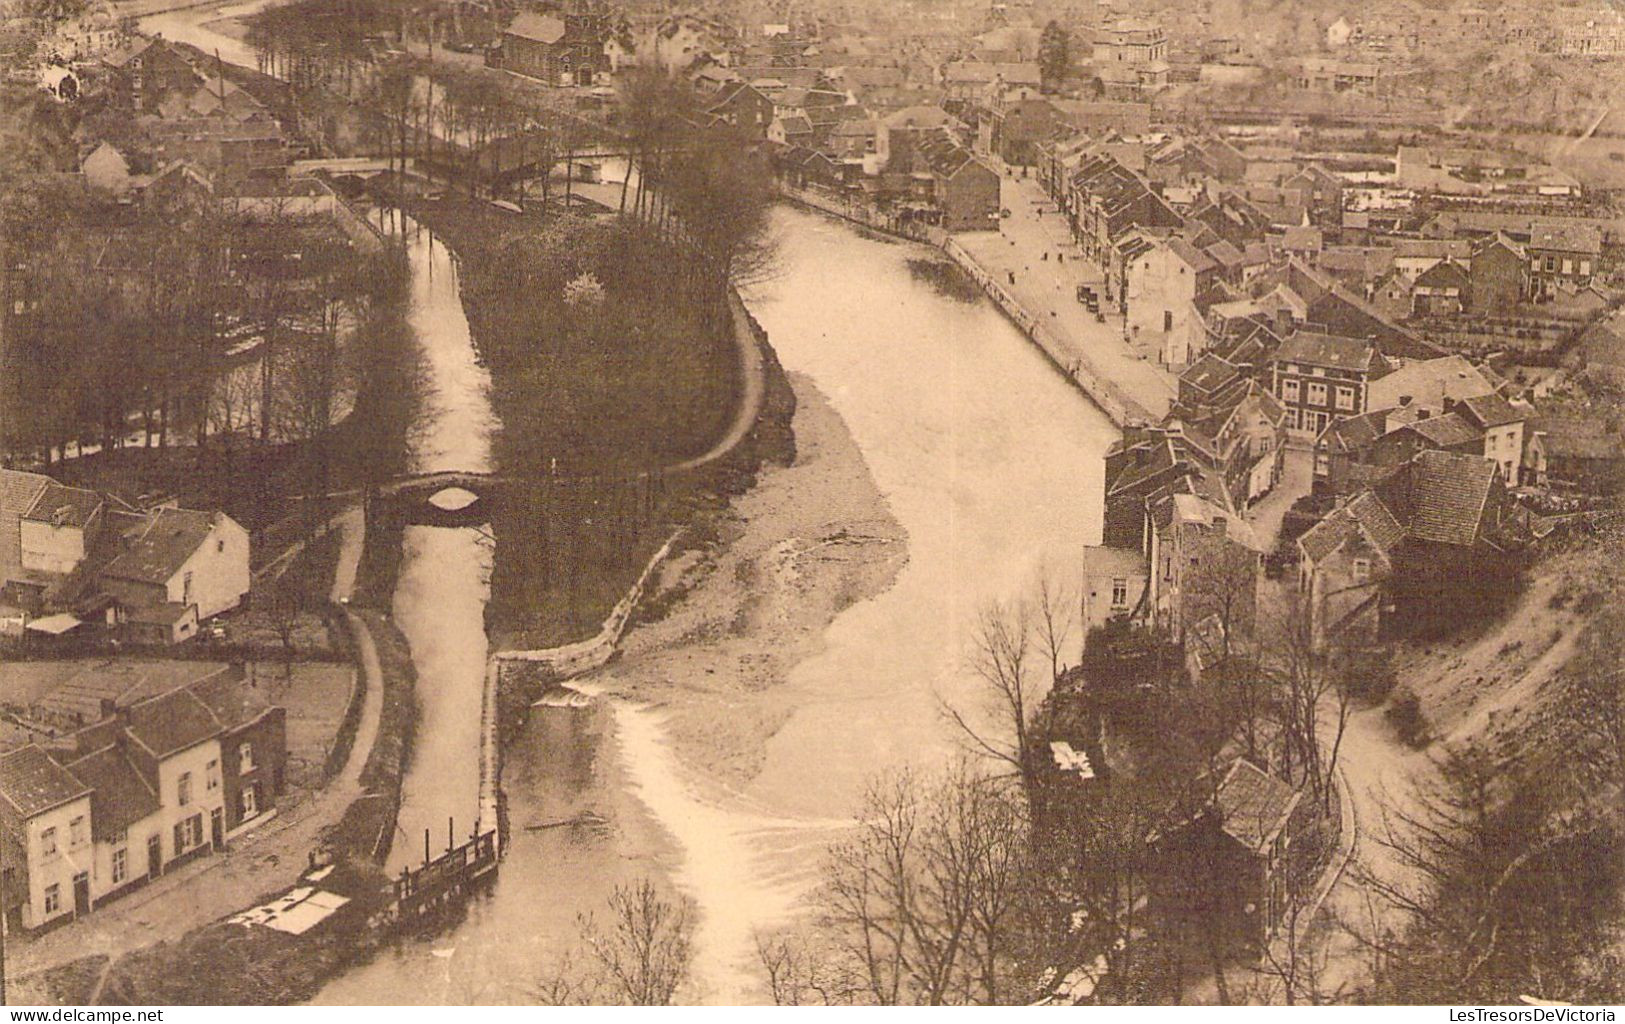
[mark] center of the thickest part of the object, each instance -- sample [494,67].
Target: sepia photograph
[820,503]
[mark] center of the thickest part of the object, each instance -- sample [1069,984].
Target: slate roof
[121,796]
[66,506]
[942,154]
[18,492]
[32,783]
[1491,411]
[1226,255]
[159,550]
[1327,350]
[1354,432]
[172,722]
[1254,807]
[1565,236]
[1445,274]
[1429,382]
[1198,260]
[1366,516]
[1209,373]
[1445,431]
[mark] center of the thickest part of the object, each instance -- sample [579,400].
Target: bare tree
[1002,650]
[926,903]
[638,957]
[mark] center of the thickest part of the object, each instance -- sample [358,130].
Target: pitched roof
[1447,431]
[32,783]
[1254,807]
[121,795]
[159,550]
[543,28]
[172,722]
[64,506]
[1444,274]
[1565,236]
[1491,411]
[1354,432]
[1442,495]
[1209,373]
[1365,516]
[1196,259]
[1429,382]
[1327,350]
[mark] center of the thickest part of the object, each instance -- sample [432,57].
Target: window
[1289,390]
[1316,394]
[1168,567]
[211,776]
[1345,397]
[1551,264]
[121,865]
[1167,320]
[47,842]
[1585,268]
[1119,593]
[183,789]
[251,802]
[245,759]
[53,899]
[219,546]
[1568,266]
[1489,442]
[1362,569]
[188,834]
[77,833]
[1292,419]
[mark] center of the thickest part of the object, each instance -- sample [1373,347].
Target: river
[988,460]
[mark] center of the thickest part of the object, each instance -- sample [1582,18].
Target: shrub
[1406,716]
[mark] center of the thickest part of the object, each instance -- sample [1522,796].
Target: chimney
[1220,525]
[1404,401]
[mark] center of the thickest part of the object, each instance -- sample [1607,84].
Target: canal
[989,462]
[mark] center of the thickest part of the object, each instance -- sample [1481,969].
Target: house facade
[151,785]
[185,558]
[1163,286]
[1320,379]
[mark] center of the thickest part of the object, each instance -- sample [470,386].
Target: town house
[155,782]
[1561,253]
[1164,286]
[1321,378]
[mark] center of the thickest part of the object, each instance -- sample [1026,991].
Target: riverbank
[749,598]
[1091,355]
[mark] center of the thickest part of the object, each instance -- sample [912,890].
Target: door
[155,856]
[217,827]
[81,894]
[251,803]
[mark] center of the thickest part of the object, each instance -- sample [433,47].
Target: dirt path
[261,861]
[1470,689]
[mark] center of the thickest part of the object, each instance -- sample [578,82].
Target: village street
[1047,288]
[263,861]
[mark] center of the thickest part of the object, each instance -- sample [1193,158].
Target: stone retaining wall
[1116,403]
[1112,399]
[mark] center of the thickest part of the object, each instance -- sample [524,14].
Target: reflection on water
[444,579]
[986,457]
[993,466]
